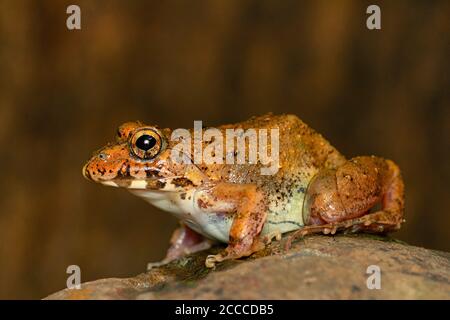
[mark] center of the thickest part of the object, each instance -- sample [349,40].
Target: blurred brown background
[63,93]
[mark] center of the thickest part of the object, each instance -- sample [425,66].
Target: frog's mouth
[123,174]
[152,184]
[124,179]
[167,184]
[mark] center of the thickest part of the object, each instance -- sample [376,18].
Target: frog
[315,189]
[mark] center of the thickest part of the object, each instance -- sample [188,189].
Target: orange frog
[314,188]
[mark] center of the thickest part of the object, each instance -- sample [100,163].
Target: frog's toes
[272,235]
[211,260]
[331,230]
[152,265]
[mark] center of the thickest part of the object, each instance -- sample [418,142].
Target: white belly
[211,225]
[216,226]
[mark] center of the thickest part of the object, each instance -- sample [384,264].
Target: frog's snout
[93,170]
[97,166]
[85,172]
[100,168]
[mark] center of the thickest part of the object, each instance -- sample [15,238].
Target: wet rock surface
[316,267]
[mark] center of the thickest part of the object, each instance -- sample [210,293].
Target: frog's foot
[341,199]
[184,241]
[268,238]
[234,252]
[211,260]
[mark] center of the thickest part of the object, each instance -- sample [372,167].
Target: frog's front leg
[184,241]
[341,198]
[246,203]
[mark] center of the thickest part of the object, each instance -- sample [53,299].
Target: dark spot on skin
[101,170]
[151,173]
[124,171]
[183,196]
[302,190]
[182,182]
[160,184]
[202,204]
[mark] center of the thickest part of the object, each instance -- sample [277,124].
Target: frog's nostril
[102,156]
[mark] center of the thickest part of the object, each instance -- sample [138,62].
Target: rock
[316,267]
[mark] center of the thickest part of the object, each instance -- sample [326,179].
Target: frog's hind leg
[342,198]
[184,241]
[377,222]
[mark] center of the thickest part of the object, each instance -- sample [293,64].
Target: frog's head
[140,158]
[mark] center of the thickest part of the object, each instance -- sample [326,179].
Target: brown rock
[317,267]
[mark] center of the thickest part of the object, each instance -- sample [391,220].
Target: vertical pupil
[145,142]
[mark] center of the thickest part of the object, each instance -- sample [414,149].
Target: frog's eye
[146,144]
